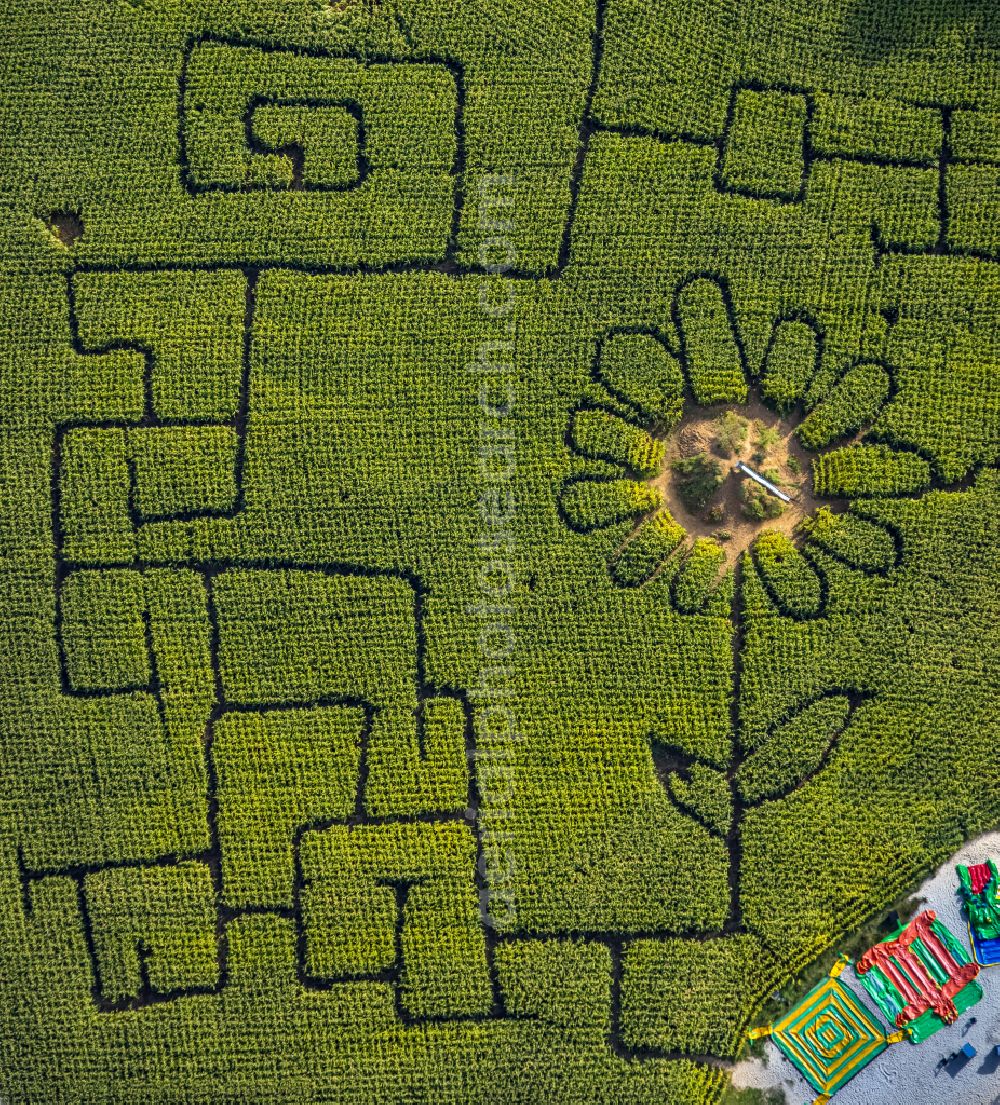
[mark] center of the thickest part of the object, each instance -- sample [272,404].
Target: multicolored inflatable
[830,1035]
[980,890]
[921,977]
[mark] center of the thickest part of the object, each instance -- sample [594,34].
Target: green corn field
[402,698]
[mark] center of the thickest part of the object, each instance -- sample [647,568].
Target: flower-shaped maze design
[626,436]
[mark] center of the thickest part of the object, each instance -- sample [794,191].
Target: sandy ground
[695,434]
[905,1074]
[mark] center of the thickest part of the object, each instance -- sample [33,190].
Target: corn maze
[372,727]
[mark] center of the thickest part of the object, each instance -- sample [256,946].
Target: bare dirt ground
[67,226]
[697,433]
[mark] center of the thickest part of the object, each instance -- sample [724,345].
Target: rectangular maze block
[153,927]
[763,153]
[314,145]
[278,772]
[103,630]
[94,495]
[974,209]
[403,116]
[350,926]
[443,946]
[299,636]
[189,324]
[398,901]
[905,212]
[562,982]
[872,127]
[180,634]
[183,470]
[975,135]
